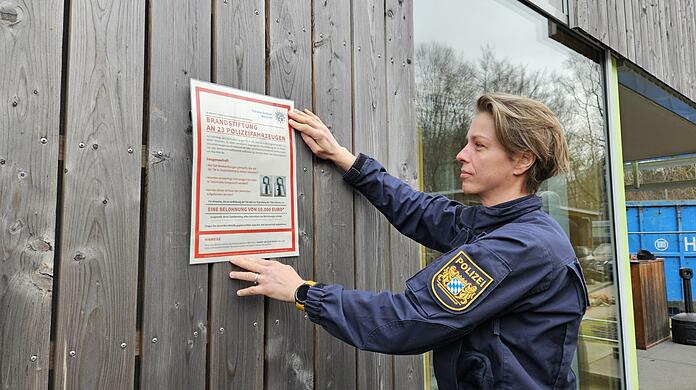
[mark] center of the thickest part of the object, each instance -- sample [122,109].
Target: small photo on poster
[266,182]
[279,186]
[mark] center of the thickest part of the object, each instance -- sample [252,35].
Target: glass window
[466,48]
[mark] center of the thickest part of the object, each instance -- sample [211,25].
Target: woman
[502,307]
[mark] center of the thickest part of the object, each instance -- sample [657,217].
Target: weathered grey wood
[617,25]
[237,324]
[335,361]
[630,30]
[690,32]
[658,52]
[289,336]
[645,33]
[101,196]
[578,14]
[611,20]
[691,60]
[656,34]
[682,46]
[30,81]
[372,252]
[669,56]
[175,294]
[403,159]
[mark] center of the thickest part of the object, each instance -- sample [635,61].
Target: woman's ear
[523,161]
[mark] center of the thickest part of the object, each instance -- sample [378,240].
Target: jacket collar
[485,219]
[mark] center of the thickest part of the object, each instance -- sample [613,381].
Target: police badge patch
[459,282]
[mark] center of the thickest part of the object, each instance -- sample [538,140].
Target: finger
[246,276]
[249,291]
[313,146]
[248,263]
[298,115]
[306,129]
[313,115]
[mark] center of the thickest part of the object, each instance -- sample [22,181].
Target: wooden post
[237,324]
[175,294]
[372,252]
[31,47]
[333,199]
[403,159]
[95,331]
[289,343]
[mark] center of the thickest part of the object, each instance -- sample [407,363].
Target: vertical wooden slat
[30,84]
[683,47]
[578,16]
[236,324]
[690,28]
[95,333]
[617,13]
[612,27]
[289,343]
[372,257]
[628,10]
[669,56]
[602,21]
[175,296]
[659,38]
[403,159]
[335,361]
[593,18]
[644,41]
[653,61]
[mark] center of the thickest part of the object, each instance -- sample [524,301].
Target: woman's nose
[462,155]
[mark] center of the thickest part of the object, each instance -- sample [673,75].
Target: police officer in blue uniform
[501,308]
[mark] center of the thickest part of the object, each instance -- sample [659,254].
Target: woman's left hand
[271,278]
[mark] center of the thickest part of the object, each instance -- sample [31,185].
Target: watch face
[301,293]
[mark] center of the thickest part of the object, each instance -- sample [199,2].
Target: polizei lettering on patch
[459,282]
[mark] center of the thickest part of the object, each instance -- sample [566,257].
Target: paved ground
[667,366]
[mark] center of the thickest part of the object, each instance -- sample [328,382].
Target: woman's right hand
[319,139]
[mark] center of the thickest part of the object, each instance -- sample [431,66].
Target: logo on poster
[661,244]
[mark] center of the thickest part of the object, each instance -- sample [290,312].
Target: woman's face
[487,171]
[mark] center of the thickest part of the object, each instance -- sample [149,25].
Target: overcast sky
[513,30]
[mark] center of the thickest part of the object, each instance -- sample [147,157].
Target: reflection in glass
[463,49]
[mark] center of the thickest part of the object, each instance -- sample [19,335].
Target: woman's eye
[478,145]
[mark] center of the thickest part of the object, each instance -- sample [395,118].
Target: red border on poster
[198,185]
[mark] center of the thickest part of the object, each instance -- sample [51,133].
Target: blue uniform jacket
[500,309]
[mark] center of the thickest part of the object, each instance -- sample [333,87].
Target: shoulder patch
[459,282]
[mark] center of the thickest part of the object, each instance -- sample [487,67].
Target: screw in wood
[195,334]
[255,324]
[33,358]
[81,145]
[36,92]
[222,330]
[154,340]
[72,353]
[123,345]
[44,140]
[130,150]
[95,146]
[256,12]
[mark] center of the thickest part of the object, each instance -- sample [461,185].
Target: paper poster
[243,198]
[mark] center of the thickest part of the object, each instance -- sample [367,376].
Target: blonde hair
[526,125]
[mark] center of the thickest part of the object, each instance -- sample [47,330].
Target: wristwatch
[301,293]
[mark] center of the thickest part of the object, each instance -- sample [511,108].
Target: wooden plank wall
[30,86]
[95,177]
[656,35]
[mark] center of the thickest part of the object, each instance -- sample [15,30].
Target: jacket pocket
[576,271]
[474,371]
